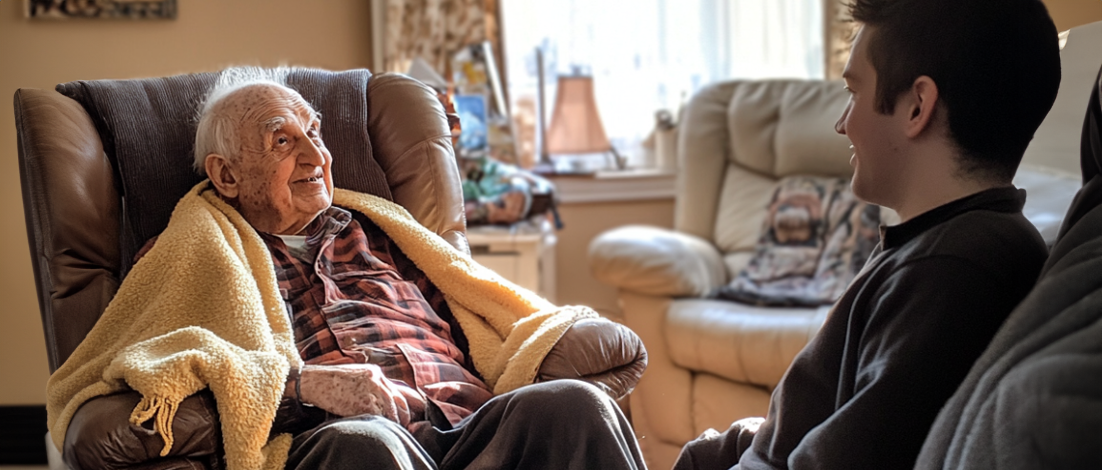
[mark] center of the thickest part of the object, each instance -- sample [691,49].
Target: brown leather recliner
[86,218]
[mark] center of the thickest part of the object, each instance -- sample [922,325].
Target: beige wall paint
[207,35]
[574,285]
[1068,14]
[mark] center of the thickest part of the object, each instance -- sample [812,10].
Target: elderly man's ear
[222,175]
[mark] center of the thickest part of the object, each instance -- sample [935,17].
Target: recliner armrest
[596,350]
[656,261]
[100,435]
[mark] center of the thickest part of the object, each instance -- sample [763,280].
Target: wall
[207,35]
[1068,14]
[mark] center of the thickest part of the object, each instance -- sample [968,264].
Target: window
[647,55]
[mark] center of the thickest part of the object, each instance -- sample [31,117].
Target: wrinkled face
[283,170]
[875,136]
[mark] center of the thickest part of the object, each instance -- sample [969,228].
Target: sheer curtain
[647,55]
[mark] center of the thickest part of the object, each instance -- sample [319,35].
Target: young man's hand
[356,389]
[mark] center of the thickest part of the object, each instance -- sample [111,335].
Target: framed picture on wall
[114,9]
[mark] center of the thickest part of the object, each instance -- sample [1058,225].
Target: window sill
[615,186]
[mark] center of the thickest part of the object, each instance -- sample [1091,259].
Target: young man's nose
[840,126]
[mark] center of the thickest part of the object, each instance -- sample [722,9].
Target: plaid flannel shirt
[354,297]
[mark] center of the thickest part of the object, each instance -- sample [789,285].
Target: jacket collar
[1005,199]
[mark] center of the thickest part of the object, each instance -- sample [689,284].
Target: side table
[523,253]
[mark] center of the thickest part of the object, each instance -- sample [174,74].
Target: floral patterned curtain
[434,30]
[839,35]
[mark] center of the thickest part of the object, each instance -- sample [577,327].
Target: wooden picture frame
[108,9]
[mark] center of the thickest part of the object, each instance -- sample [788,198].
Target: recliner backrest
[737,138]
[148,127]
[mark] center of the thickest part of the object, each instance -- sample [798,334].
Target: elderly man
[391,350]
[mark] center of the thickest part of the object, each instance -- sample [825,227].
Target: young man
[945,97]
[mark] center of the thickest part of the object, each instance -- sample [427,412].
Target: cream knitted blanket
[202,309]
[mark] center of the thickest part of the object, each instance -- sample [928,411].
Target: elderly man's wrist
[293,389]
[295,416]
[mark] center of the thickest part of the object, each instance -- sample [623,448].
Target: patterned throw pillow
[815,238]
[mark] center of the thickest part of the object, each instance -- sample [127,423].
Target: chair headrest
[148,131]
[1089,196]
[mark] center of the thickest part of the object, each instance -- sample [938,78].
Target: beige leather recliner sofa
[713,362]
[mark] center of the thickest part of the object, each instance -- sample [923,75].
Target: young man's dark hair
[945,95]
[992,118]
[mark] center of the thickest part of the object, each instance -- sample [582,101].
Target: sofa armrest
[656,262]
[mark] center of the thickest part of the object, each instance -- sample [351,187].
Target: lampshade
[575,124]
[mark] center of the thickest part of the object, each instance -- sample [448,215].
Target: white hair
[217,133]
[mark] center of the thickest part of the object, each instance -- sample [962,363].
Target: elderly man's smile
[311,186]
[317,179]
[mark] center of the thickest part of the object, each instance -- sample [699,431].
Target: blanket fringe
[162,411]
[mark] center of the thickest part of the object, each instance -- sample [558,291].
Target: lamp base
[544,168]
[620,161]
[580,164]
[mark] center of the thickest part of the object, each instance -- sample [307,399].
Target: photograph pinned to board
[473,138]
[475,72]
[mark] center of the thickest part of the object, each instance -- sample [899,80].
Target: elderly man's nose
[311,153]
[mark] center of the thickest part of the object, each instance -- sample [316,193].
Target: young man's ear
[921,100]
[221,175]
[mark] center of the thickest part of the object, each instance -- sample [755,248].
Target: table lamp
[576,126]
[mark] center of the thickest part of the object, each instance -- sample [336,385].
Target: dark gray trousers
[718,451]
[562,424]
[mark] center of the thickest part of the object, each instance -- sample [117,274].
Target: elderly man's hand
[356,389]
